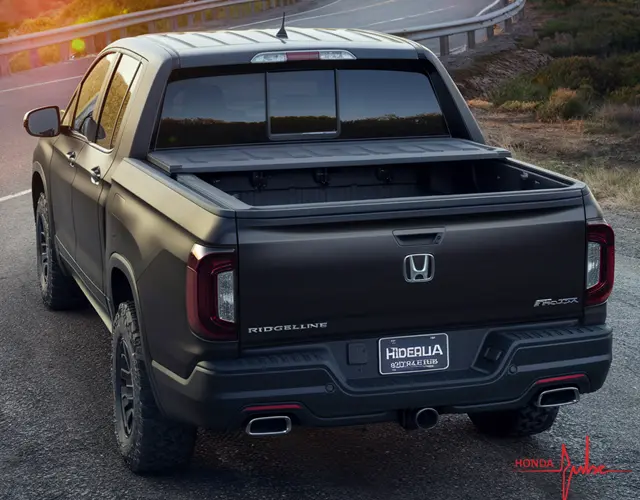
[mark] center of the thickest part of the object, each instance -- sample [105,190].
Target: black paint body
[325,257]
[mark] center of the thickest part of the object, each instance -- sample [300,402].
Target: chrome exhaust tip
[269,426]
[427,418]
[562,396]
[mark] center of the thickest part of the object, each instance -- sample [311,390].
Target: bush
[596,27]
[602,75]
[563,104]
[626,95]
[521,88]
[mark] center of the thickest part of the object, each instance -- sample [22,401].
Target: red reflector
[303,56]
[560,379]
[274,407]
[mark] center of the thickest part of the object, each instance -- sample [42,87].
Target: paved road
[55,414]
[53,85]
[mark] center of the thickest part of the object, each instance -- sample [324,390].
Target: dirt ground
[608,161]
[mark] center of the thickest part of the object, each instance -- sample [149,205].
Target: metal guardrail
[510,11]
[96,34]
[104,29]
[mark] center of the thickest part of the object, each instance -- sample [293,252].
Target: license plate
[415,353]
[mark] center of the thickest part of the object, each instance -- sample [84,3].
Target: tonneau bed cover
[321,154]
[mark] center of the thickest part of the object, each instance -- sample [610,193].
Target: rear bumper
[323,386]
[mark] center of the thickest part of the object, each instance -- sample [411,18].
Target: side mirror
[43,122]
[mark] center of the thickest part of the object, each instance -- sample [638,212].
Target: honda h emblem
[419,268]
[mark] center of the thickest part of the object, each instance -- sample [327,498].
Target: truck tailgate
[304,279]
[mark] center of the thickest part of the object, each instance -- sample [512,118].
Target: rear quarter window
[255,108]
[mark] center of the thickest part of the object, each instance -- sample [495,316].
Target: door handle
[71,157]
[95,175]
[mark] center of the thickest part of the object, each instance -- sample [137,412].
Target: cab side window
[116,100]
[86,115]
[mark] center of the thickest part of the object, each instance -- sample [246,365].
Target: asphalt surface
[56,438]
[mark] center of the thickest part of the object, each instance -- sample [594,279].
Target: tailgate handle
[406,237]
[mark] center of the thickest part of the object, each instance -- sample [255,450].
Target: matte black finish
[502,234]
[319,378]
[322,155]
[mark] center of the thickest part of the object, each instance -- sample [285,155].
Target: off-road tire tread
[62,291]
[523,422]
[157,444]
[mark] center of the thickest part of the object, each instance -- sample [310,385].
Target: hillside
[29,16]
[15,11]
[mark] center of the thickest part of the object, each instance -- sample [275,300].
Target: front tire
[148,442]
[58,290]
[522,422]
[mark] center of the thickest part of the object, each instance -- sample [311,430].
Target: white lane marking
[287,17]
[411,16]
[488,7]
[15,195]
[40,84]
[332,13]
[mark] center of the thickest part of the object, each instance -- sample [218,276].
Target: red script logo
[566,468]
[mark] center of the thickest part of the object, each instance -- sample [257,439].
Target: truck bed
[330,244]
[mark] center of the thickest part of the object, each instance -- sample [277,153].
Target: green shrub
[626,95]
[603,75]
[596,27]
[563,104]
[521,88]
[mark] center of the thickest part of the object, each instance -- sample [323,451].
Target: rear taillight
[211,293]
[600,262]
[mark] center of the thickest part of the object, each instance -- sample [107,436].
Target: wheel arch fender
[38,183]
[119,262]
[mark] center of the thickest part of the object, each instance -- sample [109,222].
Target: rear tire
[523,422]
[148,442]
[58,290]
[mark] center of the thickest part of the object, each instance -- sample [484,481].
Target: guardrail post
[64,49]
[151,26]
[173,22]
[5,67]
[90,45]
[444,45]
[471,39]
[508,23]
[490,31]
[34,58]
[190,20]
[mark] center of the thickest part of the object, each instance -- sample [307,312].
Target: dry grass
[519,106]
[607,162]
[611,185]
[480,104]
[616,119]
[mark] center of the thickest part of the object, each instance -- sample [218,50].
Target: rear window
[255,108]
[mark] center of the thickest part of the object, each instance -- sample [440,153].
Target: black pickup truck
[308,228]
